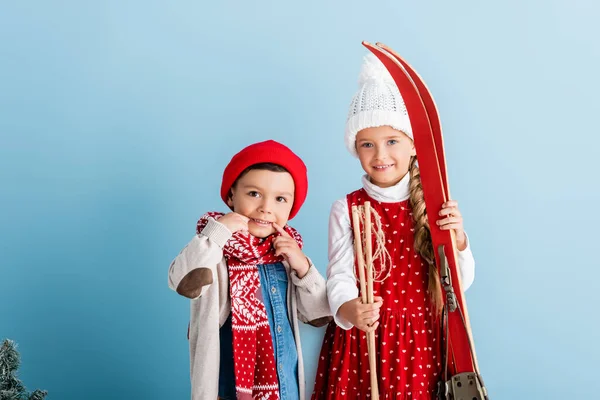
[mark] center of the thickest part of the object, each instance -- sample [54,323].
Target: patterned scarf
[254,358]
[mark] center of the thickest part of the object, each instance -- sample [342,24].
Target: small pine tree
[11,387]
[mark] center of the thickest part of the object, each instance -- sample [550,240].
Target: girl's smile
[384,154]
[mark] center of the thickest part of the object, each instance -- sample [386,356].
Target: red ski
[460,378]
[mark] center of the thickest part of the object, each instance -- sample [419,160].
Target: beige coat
[199,273]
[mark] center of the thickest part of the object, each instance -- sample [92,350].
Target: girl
[249,282]
[408,301]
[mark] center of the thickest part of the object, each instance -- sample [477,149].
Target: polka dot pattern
[407,343]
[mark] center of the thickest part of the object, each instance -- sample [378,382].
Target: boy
[249,282]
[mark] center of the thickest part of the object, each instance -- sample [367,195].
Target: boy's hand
[235,222]
[453,220]
[362,316]
[287,246]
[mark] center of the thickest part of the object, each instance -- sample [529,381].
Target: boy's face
[264,197]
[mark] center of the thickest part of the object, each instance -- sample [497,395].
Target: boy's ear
[230,199]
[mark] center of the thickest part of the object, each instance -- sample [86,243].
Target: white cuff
[217,232]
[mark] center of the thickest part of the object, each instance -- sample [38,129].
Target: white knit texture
[377,103]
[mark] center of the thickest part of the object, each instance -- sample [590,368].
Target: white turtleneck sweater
[341,281]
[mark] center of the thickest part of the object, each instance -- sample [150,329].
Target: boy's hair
[261,166]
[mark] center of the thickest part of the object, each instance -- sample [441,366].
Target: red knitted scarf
[254,358]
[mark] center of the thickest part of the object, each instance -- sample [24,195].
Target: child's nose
[265,206]
[380,152]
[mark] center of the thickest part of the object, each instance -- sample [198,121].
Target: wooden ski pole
[361,276]
[370,335]
[359,253]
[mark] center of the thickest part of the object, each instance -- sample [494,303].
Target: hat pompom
[372,69]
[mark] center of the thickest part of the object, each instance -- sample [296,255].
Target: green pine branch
[11,387]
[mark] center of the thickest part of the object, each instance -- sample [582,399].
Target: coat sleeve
[193,271]
[311,297]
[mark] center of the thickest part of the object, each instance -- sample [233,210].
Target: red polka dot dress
[407,339]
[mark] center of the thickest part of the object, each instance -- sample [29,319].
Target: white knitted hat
[376,103]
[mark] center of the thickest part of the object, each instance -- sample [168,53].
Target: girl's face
[384,154]
[264,197]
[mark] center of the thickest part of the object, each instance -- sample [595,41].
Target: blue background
[118,117]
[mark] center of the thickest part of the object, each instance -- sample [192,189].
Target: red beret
[268,152]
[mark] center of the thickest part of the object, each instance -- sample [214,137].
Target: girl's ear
[413,151]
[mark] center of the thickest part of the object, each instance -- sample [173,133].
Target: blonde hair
[423,244]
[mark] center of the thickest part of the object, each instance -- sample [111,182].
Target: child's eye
[367,145]
[281,199]
[253,193]
[392,141]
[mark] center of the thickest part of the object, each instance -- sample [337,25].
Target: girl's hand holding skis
[286,246]
[362,316]
[452,219]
